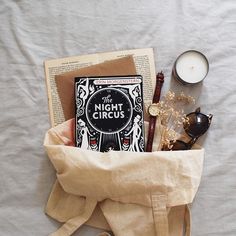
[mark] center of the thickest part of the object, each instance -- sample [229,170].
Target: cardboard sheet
[65,82]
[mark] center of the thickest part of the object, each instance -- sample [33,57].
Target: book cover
[109,113]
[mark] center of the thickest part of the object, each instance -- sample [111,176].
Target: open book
[144,63]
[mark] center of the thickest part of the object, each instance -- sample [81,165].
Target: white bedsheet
[32,31]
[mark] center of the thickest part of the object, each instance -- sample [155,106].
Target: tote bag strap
[187,221]
[73,224]
[104,234]
[160,214]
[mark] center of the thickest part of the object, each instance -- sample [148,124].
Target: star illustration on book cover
[109,113]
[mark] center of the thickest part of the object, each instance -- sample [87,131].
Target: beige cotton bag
[137,193]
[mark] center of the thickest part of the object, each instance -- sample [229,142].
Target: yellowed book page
[144,62]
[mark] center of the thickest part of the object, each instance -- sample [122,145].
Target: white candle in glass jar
[191,67]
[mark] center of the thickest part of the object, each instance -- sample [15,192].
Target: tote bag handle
[160,215]
[73,224]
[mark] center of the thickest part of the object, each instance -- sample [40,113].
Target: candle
[191,67]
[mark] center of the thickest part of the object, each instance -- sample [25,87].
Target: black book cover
[109,113]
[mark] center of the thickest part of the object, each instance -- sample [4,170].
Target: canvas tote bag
[137,193]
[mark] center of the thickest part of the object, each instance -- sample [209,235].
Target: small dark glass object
[197,126]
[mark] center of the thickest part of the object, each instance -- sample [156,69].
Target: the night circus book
[109,113]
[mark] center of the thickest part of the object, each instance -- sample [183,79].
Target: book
[144,63]
[109,113]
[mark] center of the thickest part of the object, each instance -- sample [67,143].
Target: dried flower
[183,98]
[171,117]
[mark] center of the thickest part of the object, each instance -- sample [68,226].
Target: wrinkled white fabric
[32,31]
